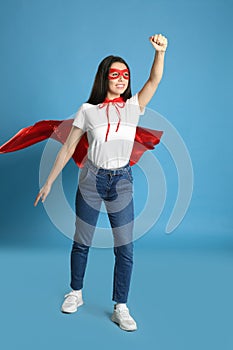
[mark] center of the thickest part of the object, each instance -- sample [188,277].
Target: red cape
[145,139]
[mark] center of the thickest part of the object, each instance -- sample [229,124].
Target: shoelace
[117,103]
[125,314]
[71,297]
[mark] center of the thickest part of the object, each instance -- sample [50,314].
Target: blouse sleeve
[79,119]
[134,101]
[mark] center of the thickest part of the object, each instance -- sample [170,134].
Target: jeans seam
[130,175]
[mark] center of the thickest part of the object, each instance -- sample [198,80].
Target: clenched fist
[159,42]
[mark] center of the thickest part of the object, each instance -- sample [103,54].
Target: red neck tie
[117,103]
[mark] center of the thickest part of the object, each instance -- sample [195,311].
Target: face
[118,79]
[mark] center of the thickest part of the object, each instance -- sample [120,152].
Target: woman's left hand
[159,42]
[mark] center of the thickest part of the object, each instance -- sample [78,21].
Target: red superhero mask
[115,73]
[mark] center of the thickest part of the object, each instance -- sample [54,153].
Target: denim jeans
[114,187]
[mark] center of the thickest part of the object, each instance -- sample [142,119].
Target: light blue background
[181,293]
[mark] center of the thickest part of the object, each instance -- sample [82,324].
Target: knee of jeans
[80,247]
[124,251]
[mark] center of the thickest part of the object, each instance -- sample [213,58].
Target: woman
[110,118]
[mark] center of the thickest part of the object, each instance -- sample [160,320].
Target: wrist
[160,52]
[49,182]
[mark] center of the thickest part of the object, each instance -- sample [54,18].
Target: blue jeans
[115,189]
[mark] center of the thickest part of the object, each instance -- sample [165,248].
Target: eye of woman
[126,75]
[114,74]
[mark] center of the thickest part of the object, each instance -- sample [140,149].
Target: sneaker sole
[71,312]
[121,327]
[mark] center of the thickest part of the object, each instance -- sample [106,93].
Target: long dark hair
[100,86]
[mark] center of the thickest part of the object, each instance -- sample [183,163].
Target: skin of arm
[159,42]
[64,155]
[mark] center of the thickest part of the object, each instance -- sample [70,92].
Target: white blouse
[116,151]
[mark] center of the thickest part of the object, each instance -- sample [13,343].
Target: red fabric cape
[145,139]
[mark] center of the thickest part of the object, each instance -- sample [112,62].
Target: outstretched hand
[42,194]
[159,42]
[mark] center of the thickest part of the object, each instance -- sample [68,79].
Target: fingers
[41,196]
[159,39]
[154,38]
[159,42]
[37,200]
[43,193]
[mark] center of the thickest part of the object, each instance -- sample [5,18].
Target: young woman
[110,118]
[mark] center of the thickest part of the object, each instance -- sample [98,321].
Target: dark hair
[100,86]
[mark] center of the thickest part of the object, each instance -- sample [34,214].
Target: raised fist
[159,42]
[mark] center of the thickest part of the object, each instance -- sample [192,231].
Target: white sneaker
[122,317]
[72,301]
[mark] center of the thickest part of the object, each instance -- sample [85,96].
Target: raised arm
[159,42]
[64,155]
